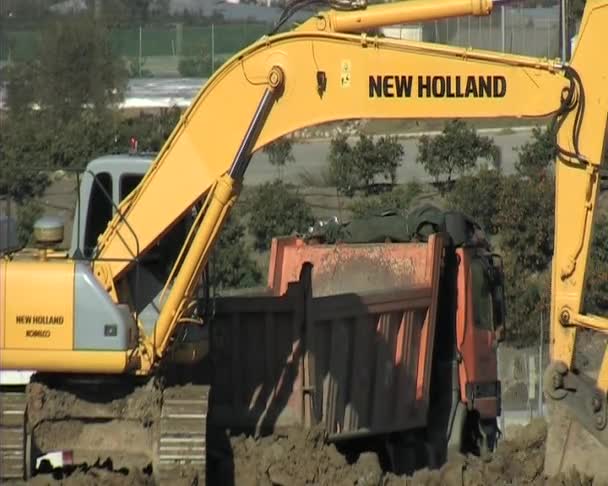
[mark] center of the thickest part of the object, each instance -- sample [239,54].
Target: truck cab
[471,324]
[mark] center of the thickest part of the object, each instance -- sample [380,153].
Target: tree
[377,159]
[30,142]
[27,214]
[195,66]
[478,195]
[231,264]
[527,295]
[274,210]
[279,153]
[526,221]
[455,150]
[150,130]
[539,154]
[20,147]
[74,67]
[74,81]
[390,153]
[360,166]
[341,170]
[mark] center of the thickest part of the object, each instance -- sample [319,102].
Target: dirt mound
[303,457]
[136,402]
[299,457]
[517,461]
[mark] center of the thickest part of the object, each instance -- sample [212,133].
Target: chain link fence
[158,50]
[187,49]
[511,28]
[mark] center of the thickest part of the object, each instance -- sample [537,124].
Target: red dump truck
[389,341]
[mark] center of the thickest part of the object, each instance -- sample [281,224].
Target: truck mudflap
[344,337]
[484,397]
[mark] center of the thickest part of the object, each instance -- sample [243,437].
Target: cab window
[482,296]
[128,182]
[99,211]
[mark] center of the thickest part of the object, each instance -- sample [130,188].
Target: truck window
[482,296]
[128,182]
[99,211]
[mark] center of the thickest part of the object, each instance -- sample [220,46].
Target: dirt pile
[517,461]
[297,458]
[303,457]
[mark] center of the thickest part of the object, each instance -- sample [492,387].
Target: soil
[303,457]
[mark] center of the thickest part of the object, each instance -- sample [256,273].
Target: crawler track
[175,425]
[183,431]
[12,440]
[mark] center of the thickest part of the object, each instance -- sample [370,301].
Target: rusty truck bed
[343,336]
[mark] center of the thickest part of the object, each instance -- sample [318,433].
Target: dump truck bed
[343,336]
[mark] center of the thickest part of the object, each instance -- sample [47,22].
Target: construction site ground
[303,457]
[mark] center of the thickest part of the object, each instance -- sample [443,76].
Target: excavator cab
[105,183]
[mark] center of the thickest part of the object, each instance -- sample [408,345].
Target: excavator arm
[329,69]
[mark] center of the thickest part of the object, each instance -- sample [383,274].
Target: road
[311,157]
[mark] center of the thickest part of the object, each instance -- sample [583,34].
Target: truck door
[476,334]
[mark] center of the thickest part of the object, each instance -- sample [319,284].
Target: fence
[511,28]
[157,49]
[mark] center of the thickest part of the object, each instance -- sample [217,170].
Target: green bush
[454,151]
[151,131]
[528,296]
[27,214]
[341,166]
[478,196]
[194,66]
[360,166]
[279,153]
[274,210]
[539,154]
[232,265]
[399,199]
[526,221]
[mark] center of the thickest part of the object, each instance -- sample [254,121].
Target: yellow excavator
[108,314]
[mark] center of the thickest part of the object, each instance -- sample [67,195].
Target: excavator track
[12,436]
[174,425]
[183,431]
